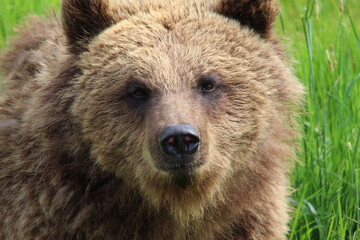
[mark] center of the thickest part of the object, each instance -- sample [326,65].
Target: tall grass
[325,34]
[325,37]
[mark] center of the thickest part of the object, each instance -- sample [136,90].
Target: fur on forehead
[85,19]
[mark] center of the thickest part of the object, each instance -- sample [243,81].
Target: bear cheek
[237,124]
[99,116]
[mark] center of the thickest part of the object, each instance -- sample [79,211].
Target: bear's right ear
[258,15]
[84,19]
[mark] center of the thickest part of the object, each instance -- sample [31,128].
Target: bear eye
[208,83]
[208,87]
[139,93]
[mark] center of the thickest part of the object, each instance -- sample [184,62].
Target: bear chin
[185,194]
[182,177]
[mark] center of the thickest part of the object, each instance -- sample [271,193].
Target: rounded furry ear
[84,19]
[256,14]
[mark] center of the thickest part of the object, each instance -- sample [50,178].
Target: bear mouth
[174,166]
[181,174]
[180,168]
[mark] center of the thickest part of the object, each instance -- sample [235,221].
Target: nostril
[170,145]
[172,141]
[188,139]
[170,148]
[190,143]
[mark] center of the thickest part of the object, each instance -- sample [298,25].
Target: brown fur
[79,156]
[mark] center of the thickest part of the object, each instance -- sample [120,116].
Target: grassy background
[326,46]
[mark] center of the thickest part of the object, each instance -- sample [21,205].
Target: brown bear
[148,119]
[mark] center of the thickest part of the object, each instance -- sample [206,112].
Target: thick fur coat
[85,99]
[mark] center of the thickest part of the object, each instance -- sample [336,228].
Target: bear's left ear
[84,19]
[259,15]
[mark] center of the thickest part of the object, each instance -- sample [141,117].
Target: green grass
[326,46]
[325,42]
[13,11]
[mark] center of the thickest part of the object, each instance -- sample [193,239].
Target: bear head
[177,97]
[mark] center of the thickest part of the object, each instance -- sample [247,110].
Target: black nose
[179,140]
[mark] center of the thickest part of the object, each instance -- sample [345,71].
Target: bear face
[168,67]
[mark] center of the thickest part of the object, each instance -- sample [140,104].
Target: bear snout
[179,144]
[179,141]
